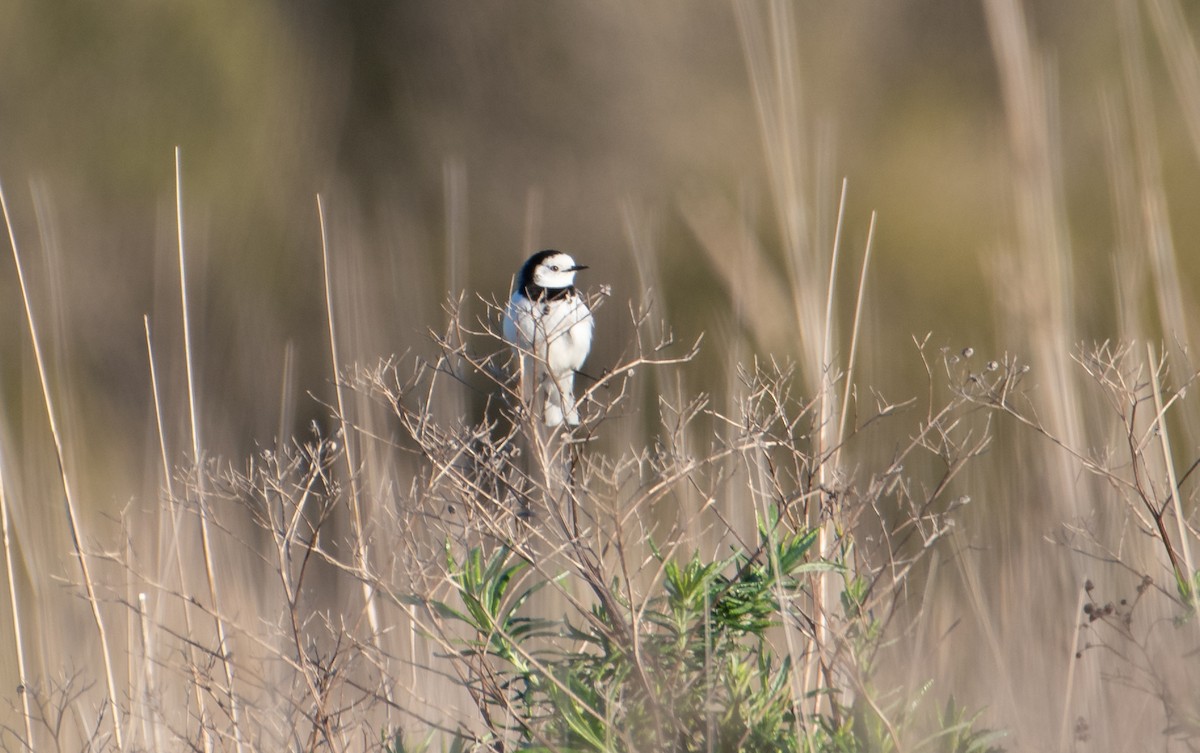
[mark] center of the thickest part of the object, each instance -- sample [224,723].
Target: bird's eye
[554,267]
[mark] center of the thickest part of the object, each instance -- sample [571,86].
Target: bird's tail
[560,401]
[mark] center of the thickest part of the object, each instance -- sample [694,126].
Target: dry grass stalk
[223,649]
[173,517]
[68,495]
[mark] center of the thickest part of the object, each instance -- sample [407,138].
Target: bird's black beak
[578,267]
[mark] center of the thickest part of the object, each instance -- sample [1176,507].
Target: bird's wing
[519,323]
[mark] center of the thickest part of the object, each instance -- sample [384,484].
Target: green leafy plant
[699,673]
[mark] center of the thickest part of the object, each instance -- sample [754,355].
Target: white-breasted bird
[548,321]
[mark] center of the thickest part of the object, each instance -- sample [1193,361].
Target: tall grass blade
[175,553]
[68,492]
[198,461]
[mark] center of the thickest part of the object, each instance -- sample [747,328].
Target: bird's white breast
[557,332]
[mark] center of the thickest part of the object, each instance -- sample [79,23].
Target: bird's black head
[548,274]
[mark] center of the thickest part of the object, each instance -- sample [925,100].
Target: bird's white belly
[557,333]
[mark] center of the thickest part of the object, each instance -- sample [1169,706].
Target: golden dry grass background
[1033,166]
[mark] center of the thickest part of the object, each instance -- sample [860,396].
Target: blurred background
[451,141]
[692,149]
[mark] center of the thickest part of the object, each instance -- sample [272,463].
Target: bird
[548,321]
